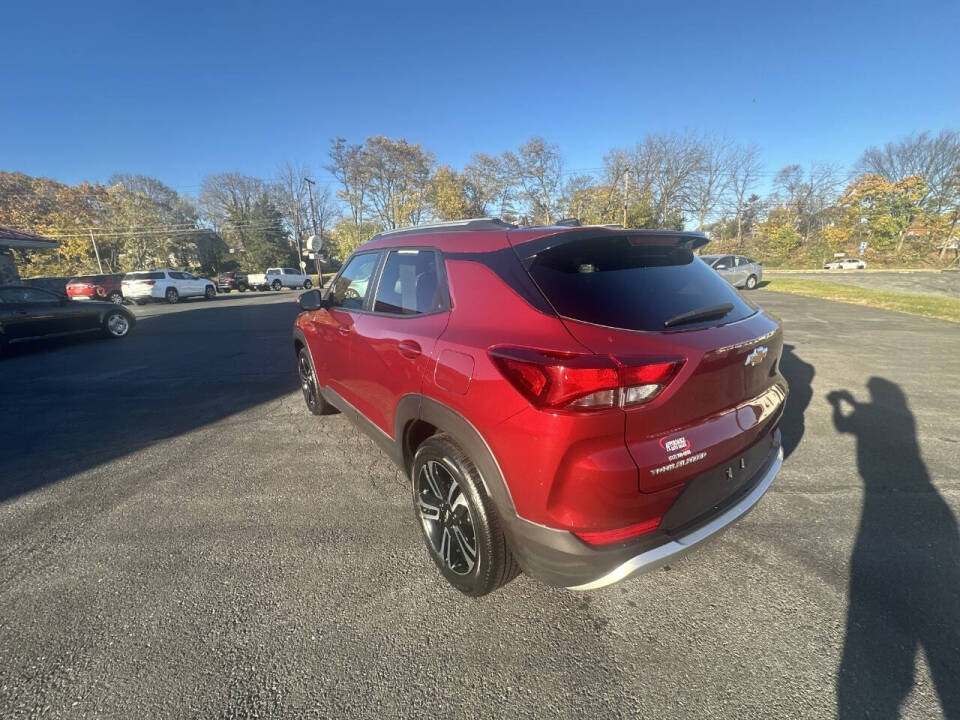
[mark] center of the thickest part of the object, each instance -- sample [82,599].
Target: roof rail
[486,223]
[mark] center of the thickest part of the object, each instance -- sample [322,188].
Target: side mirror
[311,300]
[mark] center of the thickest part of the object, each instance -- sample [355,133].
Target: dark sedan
[31,313]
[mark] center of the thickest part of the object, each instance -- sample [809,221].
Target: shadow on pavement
[74,405]
[799,375]
[905,566]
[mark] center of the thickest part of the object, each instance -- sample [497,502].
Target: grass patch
[932,306]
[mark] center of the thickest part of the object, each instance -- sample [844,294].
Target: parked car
[846,264]
[279,278]
[738,270]
[96,287]
[627,411]
[233,280]
[32,313]
[166,284]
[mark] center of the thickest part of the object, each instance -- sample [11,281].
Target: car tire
[140,302]
[242,288]
[751,282]
[116,297]
[307,284]
[277,285]
[459,524]
[309,386]
[116,324]
[226,291]
[210,292]
[172,296]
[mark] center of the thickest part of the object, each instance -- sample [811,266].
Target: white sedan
[166,284]
[848,264]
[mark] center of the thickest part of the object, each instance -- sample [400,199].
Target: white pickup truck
[277,278]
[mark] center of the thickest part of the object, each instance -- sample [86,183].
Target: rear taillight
[101,292]
[583,382]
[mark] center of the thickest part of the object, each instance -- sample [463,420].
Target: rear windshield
[90,279]
[614,282]
[156,275]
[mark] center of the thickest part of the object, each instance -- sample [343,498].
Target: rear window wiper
[707,313]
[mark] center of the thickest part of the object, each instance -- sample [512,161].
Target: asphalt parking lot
[179,537]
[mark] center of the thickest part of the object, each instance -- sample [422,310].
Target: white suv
[166,284]
[277,278]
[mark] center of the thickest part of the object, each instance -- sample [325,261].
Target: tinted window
[155,275]
[177,275]
[273,271]
[351,286]
[27,295]
[614,282]
[290,271]
[409,284]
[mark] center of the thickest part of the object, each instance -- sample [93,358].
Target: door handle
[343,329]
[409,348]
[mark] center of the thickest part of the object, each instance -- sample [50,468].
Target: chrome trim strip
[672,550]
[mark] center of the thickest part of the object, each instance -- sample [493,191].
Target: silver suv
[738,270]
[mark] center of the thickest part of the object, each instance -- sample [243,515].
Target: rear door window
[154,275]
[409,284]
[632,285]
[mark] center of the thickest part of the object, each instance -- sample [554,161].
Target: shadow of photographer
[905,565]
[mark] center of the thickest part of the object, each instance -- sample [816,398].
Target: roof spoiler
[528,251]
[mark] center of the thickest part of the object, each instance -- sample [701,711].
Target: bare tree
[348,165]
[399,180]
[807,194]
[229,198]
[745,168]
[710,178]
[668,163]
[489,185]
[291,197]
[538,168]
[936,158]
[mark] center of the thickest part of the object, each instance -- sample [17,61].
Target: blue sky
[181,90]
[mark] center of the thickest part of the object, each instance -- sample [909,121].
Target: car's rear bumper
[559,558]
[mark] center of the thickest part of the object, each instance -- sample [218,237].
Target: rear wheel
[460,526]
[307,284]
[277,285]
[242,288]
[116,324]
[115,297]
[210,292]
[308,385]
[172,296]
[751,282]
[226,291]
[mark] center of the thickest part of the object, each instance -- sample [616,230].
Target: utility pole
[626,192]
[313,217]
[96,252]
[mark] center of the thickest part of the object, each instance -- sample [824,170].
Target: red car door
[330,332]
[393,346]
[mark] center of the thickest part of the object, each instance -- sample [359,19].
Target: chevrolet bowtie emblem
[757,356]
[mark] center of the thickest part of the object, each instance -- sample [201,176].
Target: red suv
[96,287]
[581,403]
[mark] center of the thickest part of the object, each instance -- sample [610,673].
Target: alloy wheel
[447,521]
[307,383]
[118,325]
